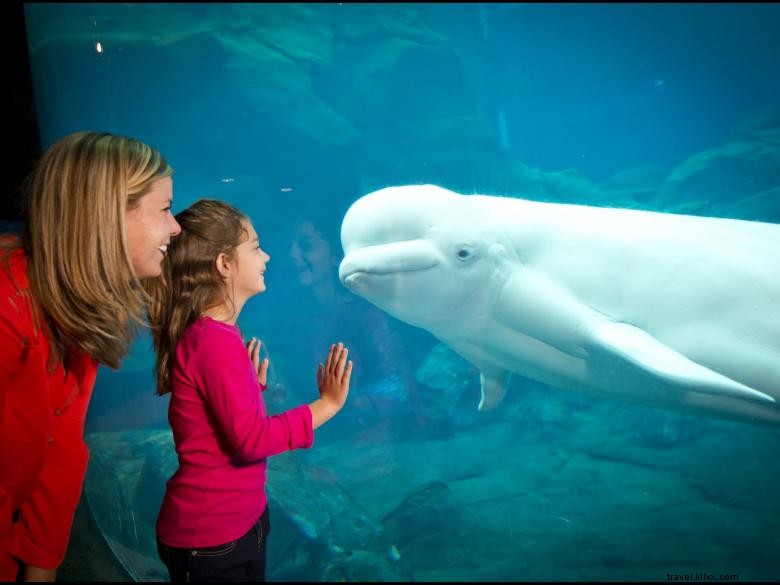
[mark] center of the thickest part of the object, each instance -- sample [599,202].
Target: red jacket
[43,457]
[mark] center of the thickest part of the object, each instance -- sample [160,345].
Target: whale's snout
[385,259]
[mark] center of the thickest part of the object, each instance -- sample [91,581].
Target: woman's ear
[222,265]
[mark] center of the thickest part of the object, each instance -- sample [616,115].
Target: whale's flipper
[534,305]
[645,351]
[494,383]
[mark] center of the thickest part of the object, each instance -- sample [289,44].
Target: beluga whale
[668,310]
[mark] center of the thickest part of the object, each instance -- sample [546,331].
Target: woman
[98,223]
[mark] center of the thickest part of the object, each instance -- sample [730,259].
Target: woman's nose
[175,227]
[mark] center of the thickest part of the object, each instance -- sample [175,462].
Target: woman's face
[150,227]
[311,255]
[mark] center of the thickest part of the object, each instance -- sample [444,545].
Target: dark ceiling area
[21,122]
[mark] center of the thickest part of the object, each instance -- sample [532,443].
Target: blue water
[292,112]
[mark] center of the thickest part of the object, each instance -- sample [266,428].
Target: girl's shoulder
[210,336]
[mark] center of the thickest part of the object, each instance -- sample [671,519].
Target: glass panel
[591,285]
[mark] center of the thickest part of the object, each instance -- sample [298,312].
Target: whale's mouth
[386,260]
[351,278]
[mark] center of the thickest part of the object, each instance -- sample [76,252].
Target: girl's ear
[222,264]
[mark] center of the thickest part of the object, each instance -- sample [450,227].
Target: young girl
[214,524]
[98,223]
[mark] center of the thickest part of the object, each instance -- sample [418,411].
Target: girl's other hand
[253,347]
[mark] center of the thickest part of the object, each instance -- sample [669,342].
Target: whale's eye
[464,253]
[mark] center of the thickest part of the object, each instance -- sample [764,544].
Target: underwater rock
[747,165]
[158,466]
[546,411]
[272,57]
[321,528]
[362,567]
[502,174]
[448,374]
[664,430]
[438,133]
[632,186]
[567,186]
[422,516]
[694,207]
[767,118]
[124,498]
[364,23]
[763,206]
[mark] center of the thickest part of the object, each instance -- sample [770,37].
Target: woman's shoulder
[13,266]
[18,311]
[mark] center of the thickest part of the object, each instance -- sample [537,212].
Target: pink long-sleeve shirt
[223,436]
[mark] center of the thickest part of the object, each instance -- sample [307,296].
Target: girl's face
[150,227]
[249,263]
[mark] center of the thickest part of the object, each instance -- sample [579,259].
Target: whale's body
[668,310]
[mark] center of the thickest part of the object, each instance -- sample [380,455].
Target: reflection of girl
[214,523]
[98,221]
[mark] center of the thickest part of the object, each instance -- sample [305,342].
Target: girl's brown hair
[190,282]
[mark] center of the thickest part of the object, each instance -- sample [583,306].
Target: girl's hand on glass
[253,347]
[333,382]
[333,377]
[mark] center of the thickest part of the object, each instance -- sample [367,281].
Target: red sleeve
[223,370]
[43,457]
[40,536]
[42,533]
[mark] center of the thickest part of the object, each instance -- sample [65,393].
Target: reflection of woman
[382,377]
[315,262]
[98,221]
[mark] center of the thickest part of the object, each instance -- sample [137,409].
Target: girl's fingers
[329,360]
[253,346]
[347,373]
[263,372]
[334,364]
[342,361]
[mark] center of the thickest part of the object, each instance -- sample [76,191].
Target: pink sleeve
[223,371]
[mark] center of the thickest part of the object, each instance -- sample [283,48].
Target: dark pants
[237,560]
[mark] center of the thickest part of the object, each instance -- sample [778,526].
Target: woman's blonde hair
[79,266]
[190,282]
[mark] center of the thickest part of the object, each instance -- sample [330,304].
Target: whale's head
[416,252]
